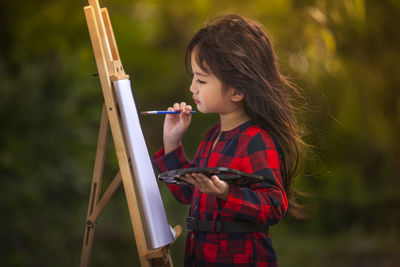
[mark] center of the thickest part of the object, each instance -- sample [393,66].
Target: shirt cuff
[234,202]
[173,160]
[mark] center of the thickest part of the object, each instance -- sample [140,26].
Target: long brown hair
[238,51]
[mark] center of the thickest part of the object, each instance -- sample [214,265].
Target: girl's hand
[175,126]
[213,186]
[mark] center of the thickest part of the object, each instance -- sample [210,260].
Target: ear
[236,95]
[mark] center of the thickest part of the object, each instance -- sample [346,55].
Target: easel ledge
[110,69]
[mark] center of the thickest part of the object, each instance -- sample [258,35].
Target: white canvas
[157,228]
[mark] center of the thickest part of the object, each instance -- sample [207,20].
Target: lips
[196,101]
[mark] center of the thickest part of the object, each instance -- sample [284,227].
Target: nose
[193,87]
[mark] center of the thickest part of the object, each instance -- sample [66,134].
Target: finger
[201,176]
[202,180]
[168,117]
[188,108]
[176,106]
[194,175]
[207,186]
[188,178]
[185,179]
[216,181]
[219,184]
[182,105]
[185,118]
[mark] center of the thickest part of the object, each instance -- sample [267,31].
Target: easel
[110,69]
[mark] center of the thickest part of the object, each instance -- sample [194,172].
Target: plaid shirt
[245,148]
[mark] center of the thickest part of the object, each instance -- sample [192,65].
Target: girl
[235,74]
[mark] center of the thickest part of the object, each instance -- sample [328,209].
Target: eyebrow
[200,74]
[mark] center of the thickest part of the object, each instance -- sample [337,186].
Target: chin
[206,110]
[203,110]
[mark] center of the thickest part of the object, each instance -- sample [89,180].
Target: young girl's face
[207,89]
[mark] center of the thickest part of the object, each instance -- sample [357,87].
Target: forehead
[196,64]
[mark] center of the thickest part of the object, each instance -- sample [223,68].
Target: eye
[200,81]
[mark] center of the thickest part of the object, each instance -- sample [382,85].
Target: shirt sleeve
[175,159]
[264,202]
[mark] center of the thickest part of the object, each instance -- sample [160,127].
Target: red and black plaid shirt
[246,148]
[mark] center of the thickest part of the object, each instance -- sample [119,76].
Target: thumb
[219,184]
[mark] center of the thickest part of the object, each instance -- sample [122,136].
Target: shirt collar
[235,131]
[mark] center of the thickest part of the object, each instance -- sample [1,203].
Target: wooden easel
[110,69]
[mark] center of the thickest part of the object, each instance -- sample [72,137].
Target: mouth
[196,101]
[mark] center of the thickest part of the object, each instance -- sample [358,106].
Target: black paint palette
[231,176]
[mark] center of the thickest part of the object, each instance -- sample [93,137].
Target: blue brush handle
[163,112]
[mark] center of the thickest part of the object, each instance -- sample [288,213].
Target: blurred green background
[343,53]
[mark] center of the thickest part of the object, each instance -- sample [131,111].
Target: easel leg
[110,69]
[96,187]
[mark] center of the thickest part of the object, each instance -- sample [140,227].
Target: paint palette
[231,176]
